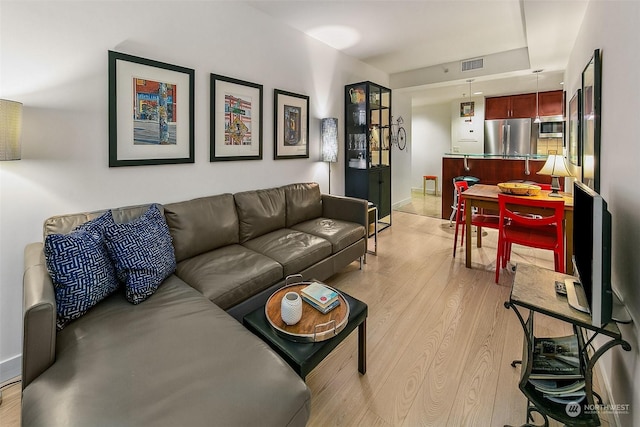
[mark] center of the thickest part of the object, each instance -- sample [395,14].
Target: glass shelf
[367,125]
[497,156]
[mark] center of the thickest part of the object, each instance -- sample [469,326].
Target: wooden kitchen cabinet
[523,106]
[511,107]
[497,107]
[551,103]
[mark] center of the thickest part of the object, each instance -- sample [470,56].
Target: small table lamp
[555,167]
[329,135]
[588,169]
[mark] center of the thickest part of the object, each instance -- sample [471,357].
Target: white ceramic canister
[291,308]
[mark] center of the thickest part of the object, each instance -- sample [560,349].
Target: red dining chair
[478,219]
[543,231]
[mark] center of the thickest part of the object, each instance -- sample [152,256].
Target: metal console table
[534,290]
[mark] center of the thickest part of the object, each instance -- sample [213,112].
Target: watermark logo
[607,408]
[573,409]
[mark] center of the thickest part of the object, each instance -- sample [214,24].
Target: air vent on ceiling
[472,64]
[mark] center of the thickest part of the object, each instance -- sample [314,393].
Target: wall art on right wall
[574,134]
[591,102]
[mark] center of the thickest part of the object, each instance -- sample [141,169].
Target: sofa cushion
[142,253]
[260,212]
[229,275]
[201,225]
[68,222]
[304,202]
[80,268]
[340,233]
[293,249]
[174,360]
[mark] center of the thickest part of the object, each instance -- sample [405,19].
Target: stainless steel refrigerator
[509,137]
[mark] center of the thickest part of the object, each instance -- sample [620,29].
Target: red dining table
[485,197]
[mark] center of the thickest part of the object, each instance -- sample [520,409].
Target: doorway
[428,204]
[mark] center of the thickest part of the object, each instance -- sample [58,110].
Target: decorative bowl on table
[519,189]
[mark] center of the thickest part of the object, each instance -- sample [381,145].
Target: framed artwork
[466,109]
[291,125]
[236,119]
[591,94]
[574,134]
[151,111]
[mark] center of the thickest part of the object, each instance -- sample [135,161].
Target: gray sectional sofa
[181,357]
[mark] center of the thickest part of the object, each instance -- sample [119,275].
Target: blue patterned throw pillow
[80,268]
[142,253]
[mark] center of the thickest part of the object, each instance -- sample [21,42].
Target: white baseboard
[429,190]
[10,368]
[401,203]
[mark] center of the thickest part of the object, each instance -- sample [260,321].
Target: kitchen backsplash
[545,145]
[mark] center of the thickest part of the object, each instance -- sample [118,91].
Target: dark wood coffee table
[304,356]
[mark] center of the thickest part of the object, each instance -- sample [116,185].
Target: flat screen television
[591,255]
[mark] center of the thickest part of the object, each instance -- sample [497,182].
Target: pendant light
[537,72]
[469,81]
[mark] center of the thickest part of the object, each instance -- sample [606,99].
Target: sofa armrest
[345,208]
[39,333]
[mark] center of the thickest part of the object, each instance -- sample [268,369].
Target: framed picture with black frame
[291,125]
[591,102]
[574,131]
[151,112]
[235,119]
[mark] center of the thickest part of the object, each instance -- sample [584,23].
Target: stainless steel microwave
[551,127]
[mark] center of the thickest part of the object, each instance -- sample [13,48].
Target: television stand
[576,296]
[533,290]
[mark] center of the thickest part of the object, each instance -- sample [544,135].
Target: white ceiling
[418,42]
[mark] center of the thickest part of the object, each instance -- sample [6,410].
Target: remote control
[561,288]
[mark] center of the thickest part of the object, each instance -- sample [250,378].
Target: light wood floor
[10,407]
[439,340]
[427,205]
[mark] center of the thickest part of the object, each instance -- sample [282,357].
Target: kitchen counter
[496,156]
[490,169]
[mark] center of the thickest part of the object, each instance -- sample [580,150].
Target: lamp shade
[588,166]
[10,129]
[329,135]
[555,166]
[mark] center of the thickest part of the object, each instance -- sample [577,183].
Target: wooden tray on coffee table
[314,326]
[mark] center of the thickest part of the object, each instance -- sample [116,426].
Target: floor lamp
[10,129]
[329,135]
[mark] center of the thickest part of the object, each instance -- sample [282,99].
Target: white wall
[54,60]
[401,159]
[467,136]
[431,129]
[609,26]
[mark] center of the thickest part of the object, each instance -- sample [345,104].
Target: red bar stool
[426,178]
[478,219]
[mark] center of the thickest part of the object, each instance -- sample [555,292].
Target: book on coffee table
[319,294]
[322,310]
